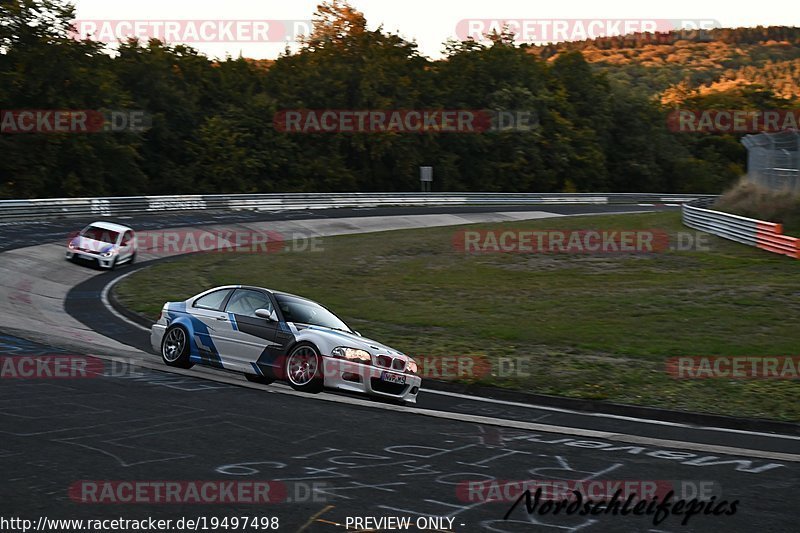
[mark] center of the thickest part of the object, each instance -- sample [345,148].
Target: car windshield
[100,234]
[307,312]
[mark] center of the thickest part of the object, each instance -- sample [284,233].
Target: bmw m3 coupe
[269,335]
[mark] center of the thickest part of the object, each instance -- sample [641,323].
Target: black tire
[113,265]
[174,351]
[308,378]
[132,259]
[263,380]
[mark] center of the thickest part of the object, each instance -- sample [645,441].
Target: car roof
[110,226]
[281,293]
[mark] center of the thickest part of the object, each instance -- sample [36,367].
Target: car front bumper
[367,379]
[104,262]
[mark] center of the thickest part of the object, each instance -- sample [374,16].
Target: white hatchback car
[107,243]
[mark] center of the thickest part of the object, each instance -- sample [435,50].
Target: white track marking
[107,304]
[221,377]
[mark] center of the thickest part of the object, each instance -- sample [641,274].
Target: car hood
[350,340]
[91,244]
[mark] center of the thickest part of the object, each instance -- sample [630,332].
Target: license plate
[388,377]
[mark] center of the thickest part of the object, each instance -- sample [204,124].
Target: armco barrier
[765,235]
[42,209]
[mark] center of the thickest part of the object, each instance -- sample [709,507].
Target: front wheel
[304,369]
[175,348]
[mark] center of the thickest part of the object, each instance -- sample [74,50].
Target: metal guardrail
[753,232]
[41,209]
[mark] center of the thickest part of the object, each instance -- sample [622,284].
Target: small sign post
[426,178]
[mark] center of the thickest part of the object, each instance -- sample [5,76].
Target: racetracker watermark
[473,367]
[65,366]
[204,492]
[734,367]
[507,491]
[594,241]
[192,31]
[454,367]
[17,121]
[150,524]
[177,242]
[559,30]
[169,242]
[404,121]
[560,241]
[733,120]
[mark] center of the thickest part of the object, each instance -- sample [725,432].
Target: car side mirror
[266,314]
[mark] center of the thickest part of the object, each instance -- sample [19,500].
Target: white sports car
[269,335]
[107,243]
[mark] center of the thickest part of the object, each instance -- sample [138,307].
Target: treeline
[670,65]
[756,35]
[212,121]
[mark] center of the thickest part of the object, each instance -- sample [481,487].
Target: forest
[601,122]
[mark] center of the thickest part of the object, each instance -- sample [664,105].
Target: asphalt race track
[327,457]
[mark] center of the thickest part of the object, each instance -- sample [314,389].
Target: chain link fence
[773,160]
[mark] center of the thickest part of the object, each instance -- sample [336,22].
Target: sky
[428,22]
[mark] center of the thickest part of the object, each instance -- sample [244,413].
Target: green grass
[591,326]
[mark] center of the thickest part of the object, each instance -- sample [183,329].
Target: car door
[126,246]
[250,335]
[212,327]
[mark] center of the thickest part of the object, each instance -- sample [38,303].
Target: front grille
[387,361]
[387,388]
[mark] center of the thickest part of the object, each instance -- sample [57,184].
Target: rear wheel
[175,348]
[263,380]
[304,369]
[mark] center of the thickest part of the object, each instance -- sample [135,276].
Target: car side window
[245,302]
[126,238]
[212,301]
[297,313]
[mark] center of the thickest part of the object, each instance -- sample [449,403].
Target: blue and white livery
[269,335]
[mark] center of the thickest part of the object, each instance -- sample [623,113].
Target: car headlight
[109,253]
[71,245]
[352,354]
[411,366]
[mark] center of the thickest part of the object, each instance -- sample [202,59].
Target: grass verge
[588,326]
